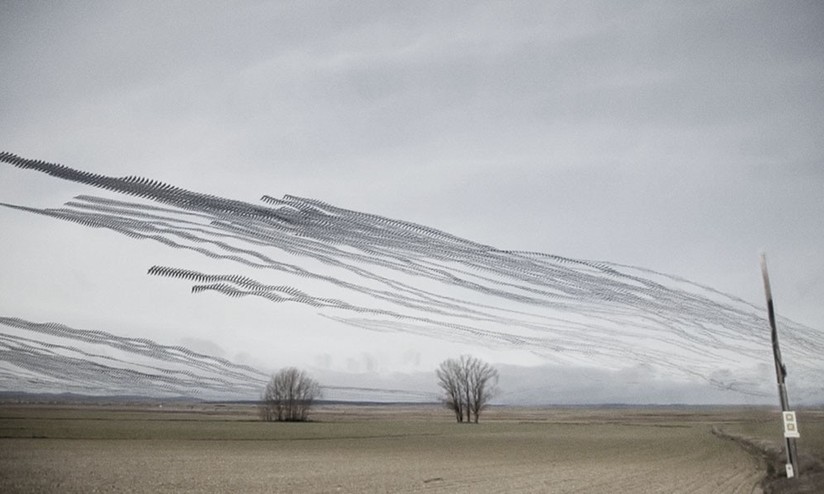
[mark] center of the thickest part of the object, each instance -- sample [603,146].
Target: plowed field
[378,449]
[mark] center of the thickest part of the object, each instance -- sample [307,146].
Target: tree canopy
[468,385]
[289,395]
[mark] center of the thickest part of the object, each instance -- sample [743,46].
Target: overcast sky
[683,137]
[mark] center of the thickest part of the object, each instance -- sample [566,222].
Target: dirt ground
[212,448]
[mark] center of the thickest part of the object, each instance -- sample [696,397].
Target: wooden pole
[780,370]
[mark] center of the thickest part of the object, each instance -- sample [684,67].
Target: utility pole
[790,424]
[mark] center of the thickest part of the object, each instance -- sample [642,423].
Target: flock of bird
[382,274]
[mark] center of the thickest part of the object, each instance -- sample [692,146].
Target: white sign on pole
[790,472]
[790,425]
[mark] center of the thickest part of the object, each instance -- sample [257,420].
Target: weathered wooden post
[788,416]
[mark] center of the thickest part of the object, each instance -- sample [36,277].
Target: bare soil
[223,448]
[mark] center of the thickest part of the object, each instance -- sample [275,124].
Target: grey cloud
[204,346]
[548,385]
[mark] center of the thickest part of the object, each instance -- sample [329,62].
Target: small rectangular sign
[790,424]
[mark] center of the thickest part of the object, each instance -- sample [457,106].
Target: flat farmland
[214,448]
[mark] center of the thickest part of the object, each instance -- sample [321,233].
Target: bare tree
[468,384]
[483,380]
[288,396]
[450,380]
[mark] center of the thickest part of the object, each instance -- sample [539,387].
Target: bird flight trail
[382,274]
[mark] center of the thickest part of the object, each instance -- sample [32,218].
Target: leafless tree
[450,380]
[483,380]
[468,384]
[288,396]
